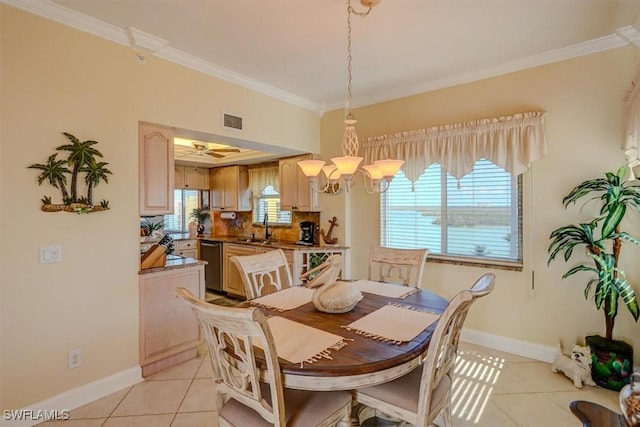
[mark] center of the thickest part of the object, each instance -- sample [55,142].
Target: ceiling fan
[201,149]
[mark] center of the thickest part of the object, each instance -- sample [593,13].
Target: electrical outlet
[50,254]
[74,358]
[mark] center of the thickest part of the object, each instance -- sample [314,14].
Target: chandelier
[339,174]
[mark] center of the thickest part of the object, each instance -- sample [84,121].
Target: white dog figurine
[577,367]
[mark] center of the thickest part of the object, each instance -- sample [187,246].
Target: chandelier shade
[339,174]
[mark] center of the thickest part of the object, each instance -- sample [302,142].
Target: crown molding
[71,18]
[195,63]
[141,40]
[630,34]
[556,55]
[144,41]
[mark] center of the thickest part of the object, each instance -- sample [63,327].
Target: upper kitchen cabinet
[193,178]
[230,189]
[156,169]
[295,191]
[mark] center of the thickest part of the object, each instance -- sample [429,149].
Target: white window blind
[269,202]
[478,216]
[185,201]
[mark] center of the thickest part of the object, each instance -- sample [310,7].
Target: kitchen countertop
[278,244]
[174,262]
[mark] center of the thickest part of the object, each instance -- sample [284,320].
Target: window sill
[475,262]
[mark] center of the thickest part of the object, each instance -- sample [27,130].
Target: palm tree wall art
[81,159]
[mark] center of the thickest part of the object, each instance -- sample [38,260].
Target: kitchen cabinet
[232,280]
[193,178]
[156,169]
[230,189]
[169,331]
[295,191]
[186,248]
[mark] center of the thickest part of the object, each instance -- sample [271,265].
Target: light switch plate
[50,254]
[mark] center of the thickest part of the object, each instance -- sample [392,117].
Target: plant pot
[612,362]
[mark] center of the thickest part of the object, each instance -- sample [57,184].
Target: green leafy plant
[104,203]
[46,200]
[149,227]
[602,238]
[200,215]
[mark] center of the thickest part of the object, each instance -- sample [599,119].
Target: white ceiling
[295,50]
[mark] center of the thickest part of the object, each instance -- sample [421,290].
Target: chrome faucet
[265,222]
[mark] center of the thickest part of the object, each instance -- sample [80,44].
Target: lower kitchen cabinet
[169,330]
[186,248]
[232,280]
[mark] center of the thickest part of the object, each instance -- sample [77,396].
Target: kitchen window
[184,202]
[269,202]
[476,220]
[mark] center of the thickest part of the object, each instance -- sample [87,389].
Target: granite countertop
[278,244]
[174,262]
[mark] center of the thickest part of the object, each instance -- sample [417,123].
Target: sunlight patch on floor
[474,376]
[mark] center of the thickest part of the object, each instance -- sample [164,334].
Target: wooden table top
[594,415]
[364,361]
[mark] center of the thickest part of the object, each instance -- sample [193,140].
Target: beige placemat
[300,343]
[393,323]
[390,290]
[286,299]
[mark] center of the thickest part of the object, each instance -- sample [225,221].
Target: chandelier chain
[349,94]
[351,10]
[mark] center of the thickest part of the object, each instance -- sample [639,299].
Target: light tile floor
[491,389]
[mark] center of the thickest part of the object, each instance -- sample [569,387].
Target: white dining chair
[244,397]
[402,266]
[420,396]
[263,273]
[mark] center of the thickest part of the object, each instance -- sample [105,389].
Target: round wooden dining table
[363,361]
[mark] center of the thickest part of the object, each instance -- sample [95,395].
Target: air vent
[231,121]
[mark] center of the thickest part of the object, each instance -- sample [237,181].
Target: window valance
[511,142]
[260,177]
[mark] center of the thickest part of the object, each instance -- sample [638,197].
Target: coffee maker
[307,232]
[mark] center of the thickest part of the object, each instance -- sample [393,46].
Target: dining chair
[263,273]
[421,395]
[403,266]
[246,397]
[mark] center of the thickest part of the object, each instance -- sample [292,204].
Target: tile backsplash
[243,226]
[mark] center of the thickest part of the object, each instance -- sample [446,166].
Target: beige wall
[583,98]
[57,79]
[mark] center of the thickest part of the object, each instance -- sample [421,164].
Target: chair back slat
[263,273]
[232,335]
[403,266]
[443,346]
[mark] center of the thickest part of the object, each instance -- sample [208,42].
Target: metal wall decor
[81,159]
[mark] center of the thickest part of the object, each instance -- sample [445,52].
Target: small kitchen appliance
[307,232]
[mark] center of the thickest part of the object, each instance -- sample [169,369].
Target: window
[478,219]
[184,201]
[269,202]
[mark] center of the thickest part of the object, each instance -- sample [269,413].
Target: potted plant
[200,216]
[602,240]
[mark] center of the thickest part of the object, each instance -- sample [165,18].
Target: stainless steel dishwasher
[211,251]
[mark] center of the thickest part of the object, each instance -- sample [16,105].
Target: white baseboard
[540,352]
[74,398]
